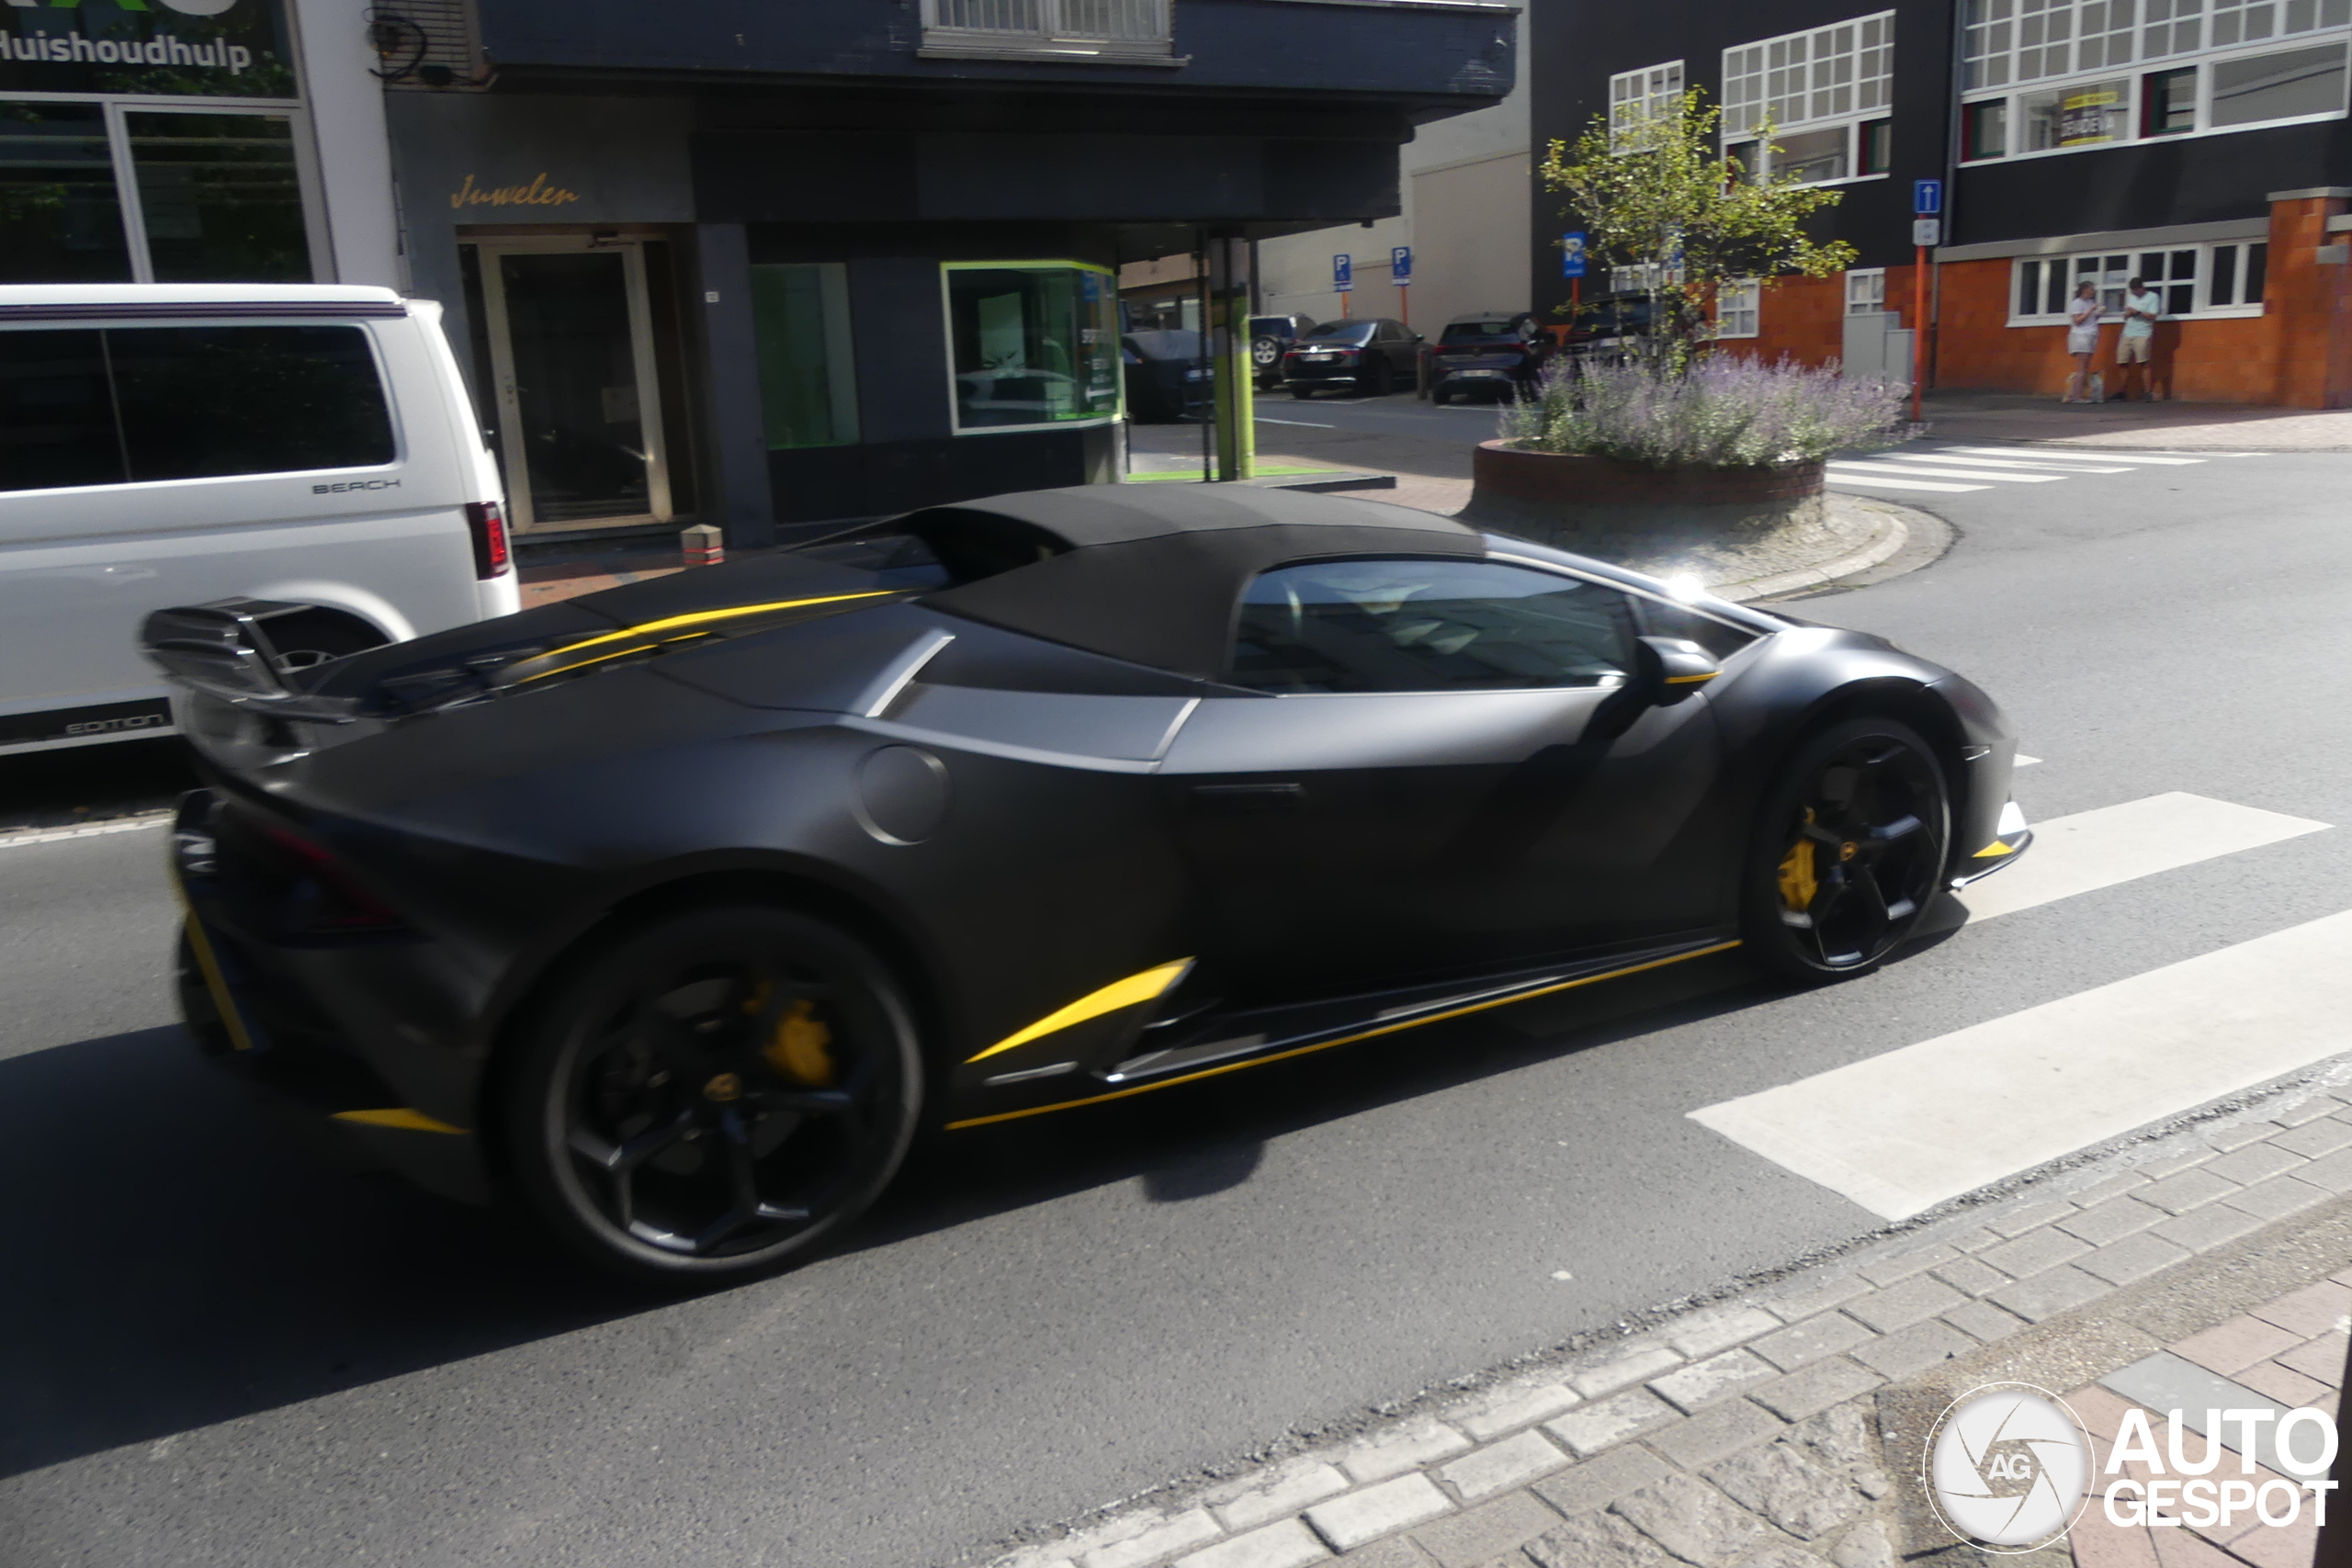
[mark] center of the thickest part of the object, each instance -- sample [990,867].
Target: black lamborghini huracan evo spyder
[676,910]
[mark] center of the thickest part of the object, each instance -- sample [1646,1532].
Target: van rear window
[120,405]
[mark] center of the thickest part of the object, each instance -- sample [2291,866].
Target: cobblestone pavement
[1784,1427]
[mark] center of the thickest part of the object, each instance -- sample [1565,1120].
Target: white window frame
[1865,290]
[1124,32]
[2134,106]
[2111,309]
[1635,97]
[1840,76]
[1997,34]
[1739,308]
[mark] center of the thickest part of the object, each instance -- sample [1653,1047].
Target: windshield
[1342,332]
[1480,332]
[1273,326]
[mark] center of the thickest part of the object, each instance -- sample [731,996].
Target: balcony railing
[1109,31]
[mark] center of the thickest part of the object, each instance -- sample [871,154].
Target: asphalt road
[217,1353]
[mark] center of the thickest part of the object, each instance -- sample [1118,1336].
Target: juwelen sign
[186,48]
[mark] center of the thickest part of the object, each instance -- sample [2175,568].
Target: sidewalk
[1785,1427]
[2230,427]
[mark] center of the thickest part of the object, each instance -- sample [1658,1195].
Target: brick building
[2201,144]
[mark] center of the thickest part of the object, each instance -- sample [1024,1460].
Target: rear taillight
[488,525]
[327,900]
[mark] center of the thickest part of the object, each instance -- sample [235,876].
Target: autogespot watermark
[2010,1468]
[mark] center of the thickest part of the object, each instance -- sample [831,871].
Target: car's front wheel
[1848,852]
[711,1095]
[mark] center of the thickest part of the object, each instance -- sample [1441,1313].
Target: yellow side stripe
[217,985]
[704,618]
[1118,994]
[399,1116]
[1690,680]
[584,663]
[1345,1039]
[1994,851]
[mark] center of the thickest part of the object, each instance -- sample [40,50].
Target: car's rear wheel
[1849,851]
[710,1096]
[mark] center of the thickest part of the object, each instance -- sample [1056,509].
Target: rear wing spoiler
[222,649]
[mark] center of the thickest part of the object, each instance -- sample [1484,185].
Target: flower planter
[1632,514]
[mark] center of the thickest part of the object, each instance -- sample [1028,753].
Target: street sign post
[1400,272]
[1927,230]
[1343,279]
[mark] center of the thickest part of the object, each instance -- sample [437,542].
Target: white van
[169,444]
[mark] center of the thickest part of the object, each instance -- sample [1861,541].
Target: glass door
[573,370]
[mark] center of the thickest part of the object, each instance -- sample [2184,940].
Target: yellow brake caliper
[1798,883]
[801,1049]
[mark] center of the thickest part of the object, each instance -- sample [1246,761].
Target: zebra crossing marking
[1902,1131]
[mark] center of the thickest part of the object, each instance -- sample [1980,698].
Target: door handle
[1235,798]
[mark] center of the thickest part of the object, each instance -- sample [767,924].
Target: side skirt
[1231,1041]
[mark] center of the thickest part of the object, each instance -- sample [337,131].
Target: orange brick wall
[2298,353]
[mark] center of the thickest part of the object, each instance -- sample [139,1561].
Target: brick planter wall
[1625,511]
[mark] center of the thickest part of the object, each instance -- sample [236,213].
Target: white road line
[10,840]
[1983,476]
[1872,482]
[2078,456]
[1901,1133]
[1309,423]
[2092,850]
[1945,456]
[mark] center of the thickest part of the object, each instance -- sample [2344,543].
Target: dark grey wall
[1465,51]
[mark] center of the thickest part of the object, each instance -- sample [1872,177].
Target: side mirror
[1670,668]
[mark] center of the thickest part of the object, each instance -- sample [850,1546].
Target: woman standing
[2082,341]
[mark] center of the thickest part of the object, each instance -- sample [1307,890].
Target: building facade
[1463,214]
[782,266]
[2200,144]
[192,140]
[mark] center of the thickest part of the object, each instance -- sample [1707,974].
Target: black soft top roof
[1152,573]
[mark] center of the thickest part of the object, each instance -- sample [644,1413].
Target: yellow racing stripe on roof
[703,617]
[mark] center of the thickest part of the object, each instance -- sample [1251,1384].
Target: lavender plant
[1719,412]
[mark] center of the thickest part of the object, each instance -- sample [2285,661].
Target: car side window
[1400,625]
[129,404]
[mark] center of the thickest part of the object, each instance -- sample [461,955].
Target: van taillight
[489,529]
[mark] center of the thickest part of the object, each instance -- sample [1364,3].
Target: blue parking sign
[1400,263]
[1342,273]
[1572,256]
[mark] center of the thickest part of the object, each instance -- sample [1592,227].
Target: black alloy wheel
[1849,851]
[711,1095]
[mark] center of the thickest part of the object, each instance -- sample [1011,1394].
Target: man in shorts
[2134,349]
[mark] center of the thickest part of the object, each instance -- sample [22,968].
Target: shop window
[1984,129]
[219,197]
[140,403]
[2235,276]
[1639,97]
[2168,103]
[1032,344]
[2193,279]
[2279,86]
[59,218]
[808,379]
[1738,308]
[1866,291]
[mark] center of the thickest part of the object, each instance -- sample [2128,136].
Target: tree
[1654,194]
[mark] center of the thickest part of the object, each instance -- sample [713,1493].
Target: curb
[1748,1429]
[1897,535]
[97,830]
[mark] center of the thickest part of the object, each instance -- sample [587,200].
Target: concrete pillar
[346,103]
[735,422]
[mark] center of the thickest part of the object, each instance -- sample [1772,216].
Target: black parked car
[675,910]
[1269,337]
[1607,328]
[1375,355]
[1494,354]
[1167,380]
